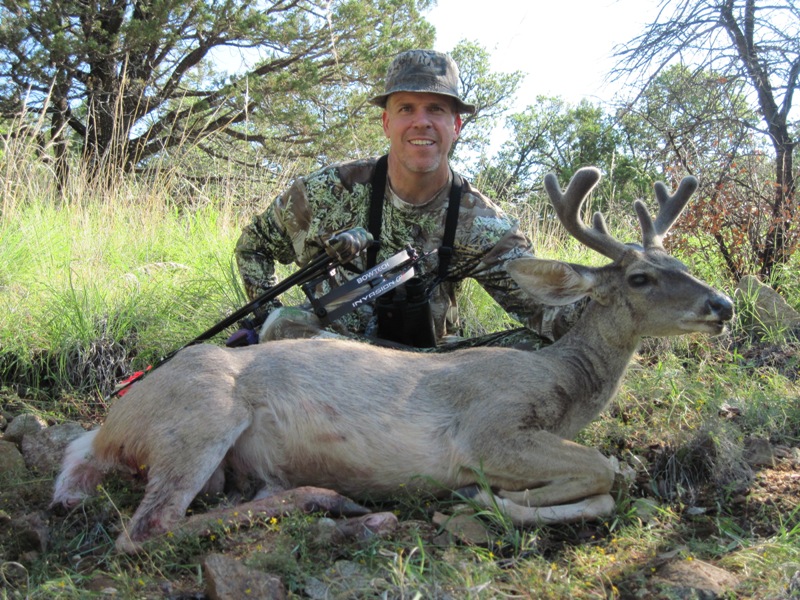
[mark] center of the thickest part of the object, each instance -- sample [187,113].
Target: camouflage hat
[423,71]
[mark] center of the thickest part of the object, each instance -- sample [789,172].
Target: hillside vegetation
[97,282]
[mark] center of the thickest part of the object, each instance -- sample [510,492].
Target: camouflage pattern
[337,198]
[425,71]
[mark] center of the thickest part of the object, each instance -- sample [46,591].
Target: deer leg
[177,474]
[552,481]
[588,509]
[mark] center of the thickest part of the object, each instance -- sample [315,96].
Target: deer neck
[602,331]
[596,352]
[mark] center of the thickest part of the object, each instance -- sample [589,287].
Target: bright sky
[563,46]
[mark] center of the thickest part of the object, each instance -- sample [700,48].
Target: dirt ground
[771,499]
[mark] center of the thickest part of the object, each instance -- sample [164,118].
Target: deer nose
[722,306]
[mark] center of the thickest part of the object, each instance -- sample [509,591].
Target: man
[422,119]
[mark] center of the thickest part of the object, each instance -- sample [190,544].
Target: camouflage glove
[346,245]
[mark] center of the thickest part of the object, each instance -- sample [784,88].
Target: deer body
[371,422]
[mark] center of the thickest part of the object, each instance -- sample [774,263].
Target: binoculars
[407,318]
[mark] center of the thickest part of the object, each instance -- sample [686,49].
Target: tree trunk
[779,240]
[777,245]
[58,137]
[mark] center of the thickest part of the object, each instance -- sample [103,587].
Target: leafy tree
[130,80]
[756,43]
[530,150]
[699,123]
[491,93]
[553,136]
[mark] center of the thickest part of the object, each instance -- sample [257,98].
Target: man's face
[421,128]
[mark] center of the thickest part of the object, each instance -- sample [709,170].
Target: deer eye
[639,279]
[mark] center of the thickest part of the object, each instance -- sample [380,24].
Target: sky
[564,47]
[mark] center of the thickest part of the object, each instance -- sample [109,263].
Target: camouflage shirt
[336,198]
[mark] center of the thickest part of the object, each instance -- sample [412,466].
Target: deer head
[657,291]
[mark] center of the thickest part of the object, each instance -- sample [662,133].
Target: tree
[491,93]
[553,136]
[751,41]
[530,151]
[130,79]
[697,123]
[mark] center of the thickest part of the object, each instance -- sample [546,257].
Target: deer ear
[550,281]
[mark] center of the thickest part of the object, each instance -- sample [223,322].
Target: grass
[103,276]
[101,282]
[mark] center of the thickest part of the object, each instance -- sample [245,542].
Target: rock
[229,579]
[22,425]
[359,529]
[464,527]
[695,511]
[43,450]
[30,532]
[646,509]
[758,452]
[11,461]
[344,579]
[771,312]
[693,579]
[624,475]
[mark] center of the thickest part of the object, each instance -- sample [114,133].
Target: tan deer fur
[369,422]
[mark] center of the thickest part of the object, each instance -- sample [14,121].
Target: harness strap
[445,253]
[450,225]
[376,208]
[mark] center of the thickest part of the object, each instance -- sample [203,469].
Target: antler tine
[568,207]
[669,209]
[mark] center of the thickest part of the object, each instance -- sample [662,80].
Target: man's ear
[385,122]
[458,124]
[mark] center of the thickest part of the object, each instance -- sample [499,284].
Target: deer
[368,422]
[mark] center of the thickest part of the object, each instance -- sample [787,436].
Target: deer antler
[568,207]
[669,209]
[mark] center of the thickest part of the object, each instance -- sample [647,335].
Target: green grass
[105,281]
[91,289]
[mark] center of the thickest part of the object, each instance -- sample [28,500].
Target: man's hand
[346,245]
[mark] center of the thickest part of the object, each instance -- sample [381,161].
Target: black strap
[379,178]
[450,224]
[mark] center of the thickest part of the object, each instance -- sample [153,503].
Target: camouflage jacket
[336,198]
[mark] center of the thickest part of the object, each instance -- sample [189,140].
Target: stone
[31,532]
[694,579]
[771,313]
[22,425]
[344,579]
[43,450]
[11,461]
[646,509]
[758,452]
[465,527]
[228,579]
